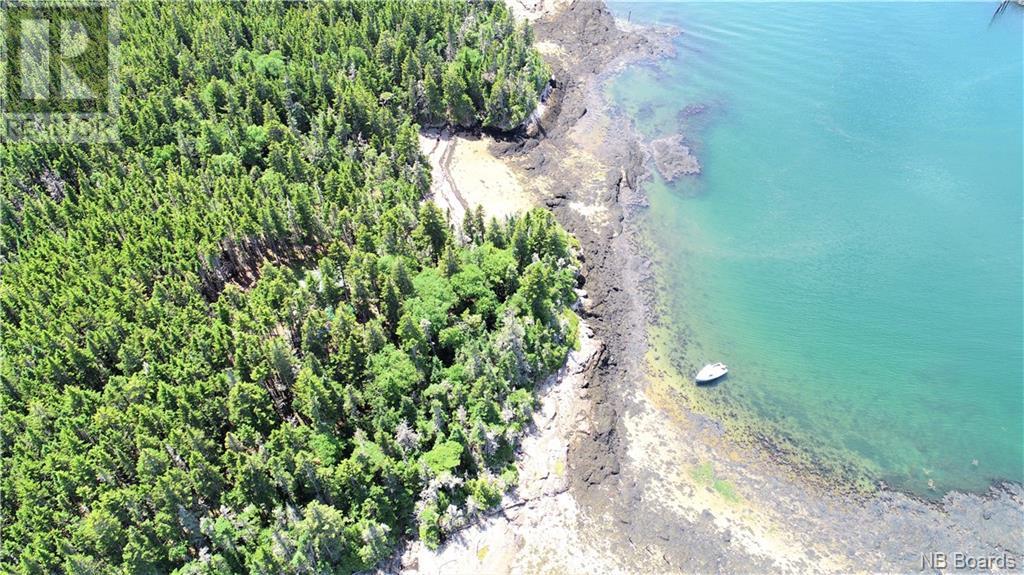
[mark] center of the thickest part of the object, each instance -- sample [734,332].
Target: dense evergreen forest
[239,341]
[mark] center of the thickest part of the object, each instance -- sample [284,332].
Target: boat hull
[711,373]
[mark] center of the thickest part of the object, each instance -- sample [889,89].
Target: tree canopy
[237,341]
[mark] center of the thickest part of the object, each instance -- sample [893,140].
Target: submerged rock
[673,158]
[692,110]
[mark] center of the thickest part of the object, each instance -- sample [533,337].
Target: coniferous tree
[236,341]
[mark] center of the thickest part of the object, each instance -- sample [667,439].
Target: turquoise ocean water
[853,248]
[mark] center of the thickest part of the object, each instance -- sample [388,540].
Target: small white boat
[711,372]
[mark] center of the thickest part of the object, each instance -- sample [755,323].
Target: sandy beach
[467,175]
[618,475]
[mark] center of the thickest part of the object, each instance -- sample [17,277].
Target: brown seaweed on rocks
[673,158]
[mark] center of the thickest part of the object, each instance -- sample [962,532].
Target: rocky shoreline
[638,469]
[587,143]
[648,485]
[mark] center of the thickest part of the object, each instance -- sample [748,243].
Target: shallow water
[853,247]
